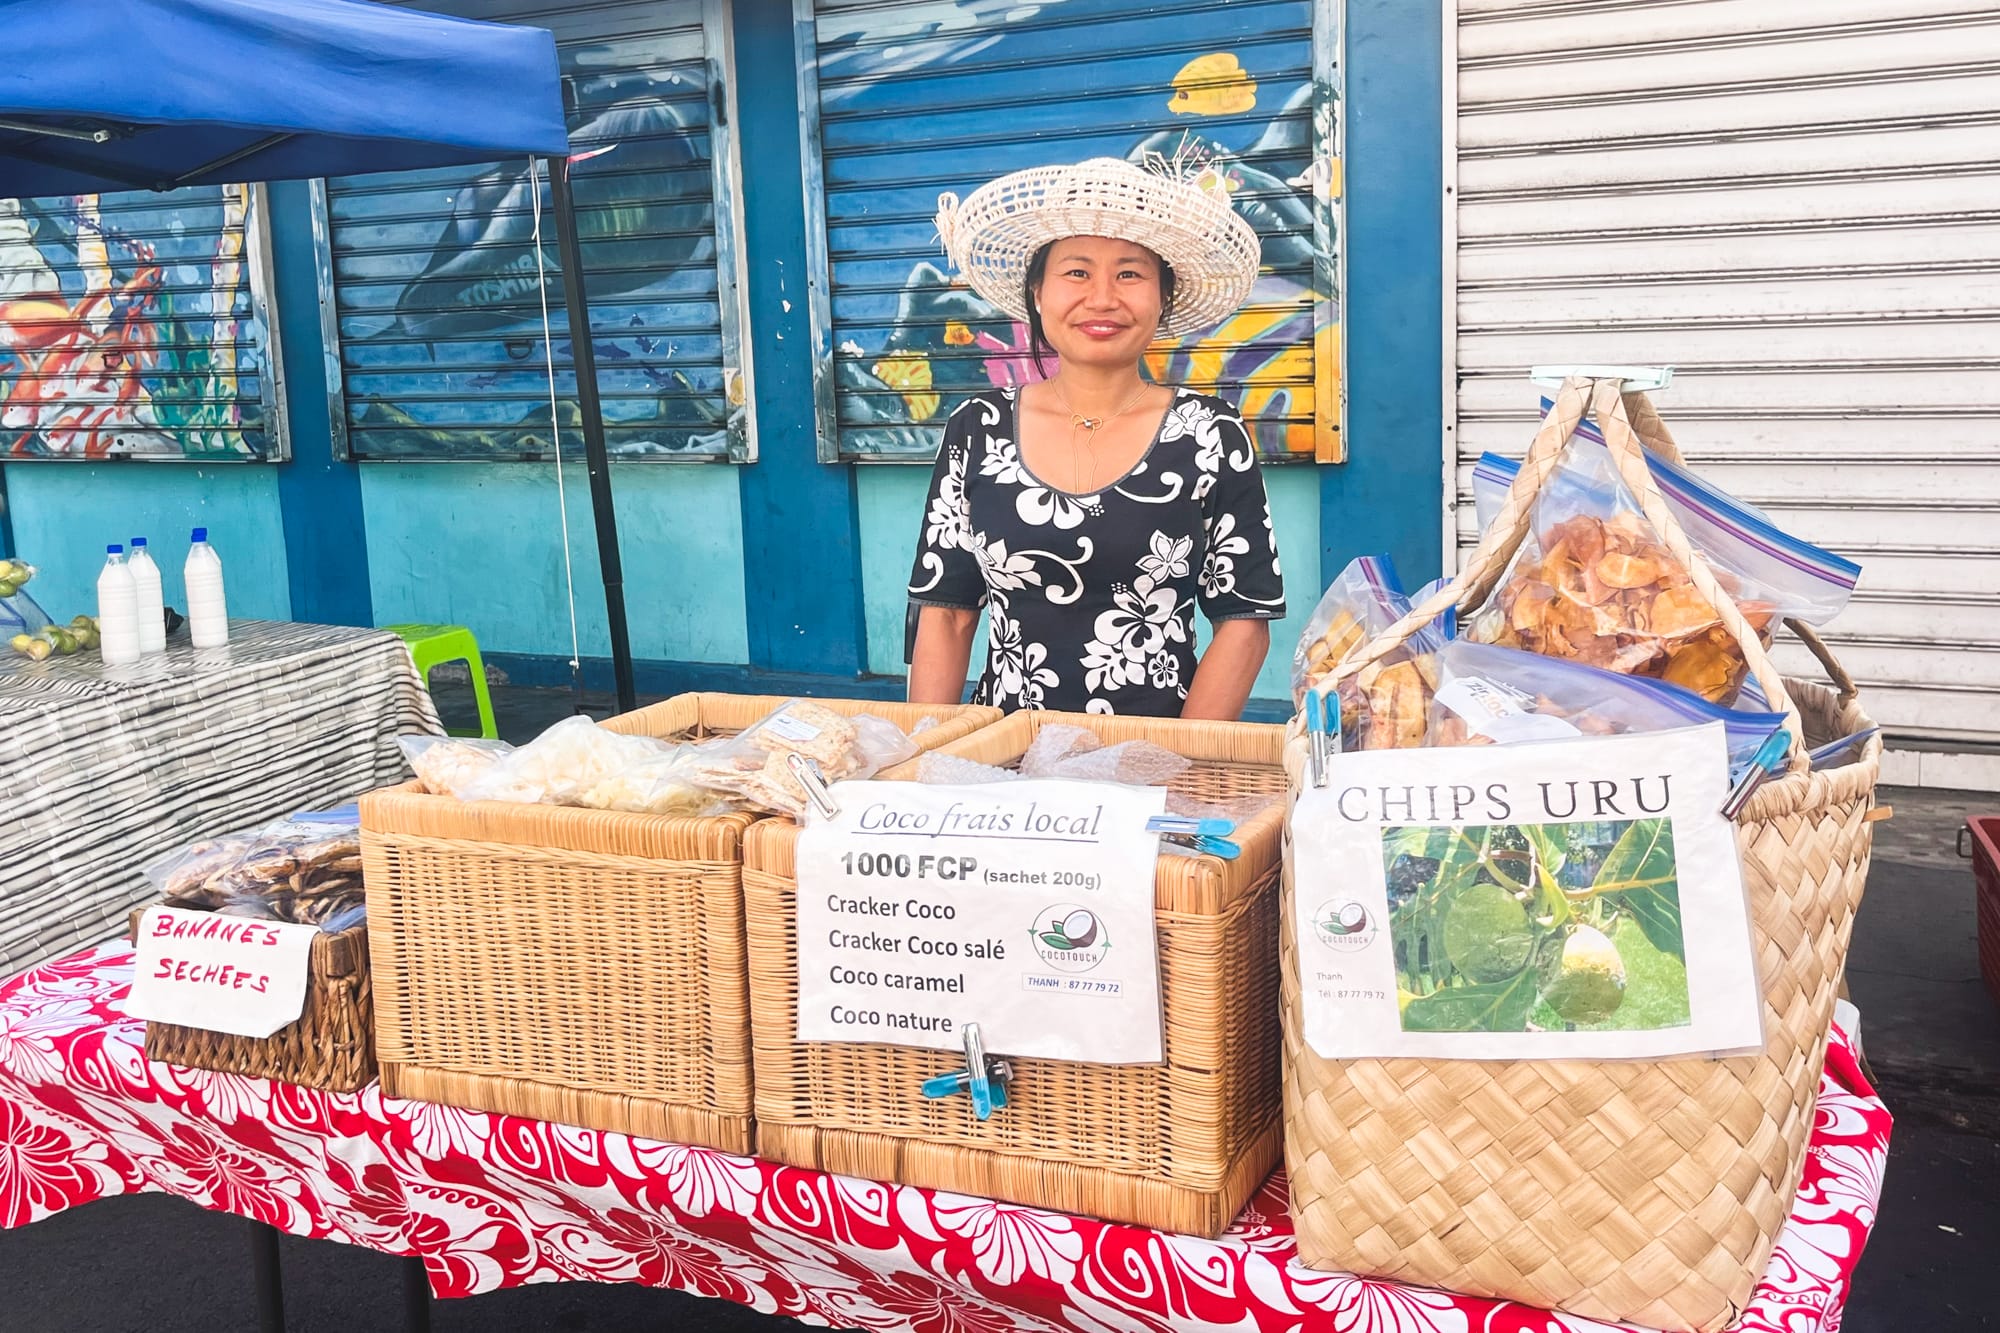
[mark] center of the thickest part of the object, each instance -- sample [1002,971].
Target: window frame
[732,281]
[1329,229]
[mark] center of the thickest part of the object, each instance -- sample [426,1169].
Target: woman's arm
[944,647]
[1227,671]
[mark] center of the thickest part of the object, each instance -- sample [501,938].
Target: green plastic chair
[432,645]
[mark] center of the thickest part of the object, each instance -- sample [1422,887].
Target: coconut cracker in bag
[755,765]
[1593,583]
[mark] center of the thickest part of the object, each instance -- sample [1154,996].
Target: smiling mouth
[1100,329]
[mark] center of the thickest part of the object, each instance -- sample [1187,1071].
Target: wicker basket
[579,966]
[331,1045]
[1179,1146]
[1642,1191]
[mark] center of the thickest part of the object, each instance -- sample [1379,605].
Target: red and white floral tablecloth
[493,1201]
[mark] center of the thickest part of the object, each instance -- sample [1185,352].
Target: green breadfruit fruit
[1587,983]
[1486,934]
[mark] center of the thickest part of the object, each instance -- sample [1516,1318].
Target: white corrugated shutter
[1798,206]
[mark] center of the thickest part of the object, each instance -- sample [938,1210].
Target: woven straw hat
[1180,212]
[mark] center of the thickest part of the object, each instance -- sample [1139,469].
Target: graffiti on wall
[935,96]
[439,289]
[127,328]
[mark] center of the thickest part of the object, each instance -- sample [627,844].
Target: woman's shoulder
[982,410]
[1194,402]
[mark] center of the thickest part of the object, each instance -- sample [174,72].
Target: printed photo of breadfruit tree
[1537,927]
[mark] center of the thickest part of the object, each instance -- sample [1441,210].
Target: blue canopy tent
[106,95]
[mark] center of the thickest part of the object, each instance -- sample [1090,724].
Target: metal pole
[267,1278]
[584,358]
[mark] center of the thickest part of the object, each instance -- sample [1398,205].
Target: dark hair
[1038,268]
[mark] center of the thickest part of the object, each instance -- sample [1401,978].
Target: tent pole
[584,358]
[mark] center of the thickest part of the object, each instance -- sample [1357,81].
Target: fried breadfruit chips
[1606,592]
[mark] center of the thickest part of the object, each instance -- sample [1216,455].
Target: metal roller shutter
[914,100]
[134,325]
[433,274]
[1799,206]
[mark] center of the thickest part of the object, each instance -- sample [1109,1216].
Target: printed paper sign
[1025,907]
[222,973]
[1499,713]
[1571,899]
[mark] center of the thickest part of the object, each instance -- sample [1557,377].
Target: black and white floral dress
[1092,597]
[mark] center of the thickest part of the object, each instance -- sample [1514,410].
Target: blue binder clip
[986,1079]
[1755,773]
[1322,733]
[1207,836]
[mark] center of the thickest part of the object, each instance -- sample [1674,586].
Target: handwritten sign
[1025,907]
[1572,899]
[222,973]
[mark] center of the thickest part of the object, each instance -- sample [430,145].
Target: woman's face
[1100,300]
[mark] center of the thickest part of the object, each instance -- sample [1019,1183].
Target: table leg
[416,1296]
[268,1278]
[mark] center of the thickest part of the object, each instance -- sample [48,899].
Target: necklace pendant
[1086,423]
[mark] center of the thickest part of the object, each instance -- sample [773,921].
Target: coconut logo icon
[1069,937]
[1344,925]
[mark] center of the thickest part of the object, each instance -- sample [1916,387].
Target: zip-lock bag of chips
[1363,600]
[1593,583]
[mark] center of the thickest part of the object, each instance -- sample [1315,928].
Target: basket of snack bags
[307,870]
[1180,1143]
[1611,594]
[558,928]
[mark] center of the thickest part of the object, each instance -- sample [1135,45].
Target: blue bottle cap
[137,542]
[200,535]
[114,550]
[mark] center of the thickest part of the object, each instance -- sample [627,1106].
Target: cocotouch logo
[1069,938]
[1345,925]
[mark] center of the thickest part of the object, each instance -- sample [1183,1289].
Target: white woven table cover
[103,768]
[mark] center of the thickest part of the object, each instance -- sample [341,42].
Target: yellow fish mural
[1213,85]
[907,371]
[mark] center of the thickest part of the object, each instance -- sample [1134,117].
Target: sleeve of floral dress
[946,572]
[1240,579]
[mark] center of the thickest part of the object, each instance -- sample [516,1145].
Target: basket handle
[1606,401]
[1652,431]
[1608,407]
[1835,672]
[1489,560]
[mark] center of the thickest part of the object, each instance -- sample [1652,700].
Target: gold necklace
[1077,421]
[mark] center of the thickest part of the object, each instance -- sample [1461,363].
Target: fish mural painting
[918,99]
[130,326]
[437,285]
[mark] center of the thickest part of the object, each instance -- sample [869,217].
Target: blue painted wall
[803,568]
[66,513]
[479,544]
[319,496]
[1389,495]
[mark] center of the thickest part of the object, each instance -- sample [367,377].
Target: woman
[1092,512]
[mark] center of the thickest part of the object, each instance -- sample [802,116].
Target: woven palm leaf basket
[1179,1145]
[1641,1191]
[580,966]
